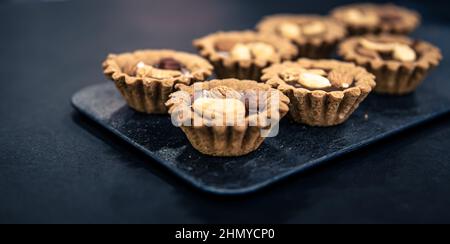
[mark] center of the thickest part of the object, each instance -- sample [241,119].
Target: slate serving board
[294,150]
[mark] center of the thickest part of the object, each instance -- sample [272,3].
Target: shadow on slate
[295,149]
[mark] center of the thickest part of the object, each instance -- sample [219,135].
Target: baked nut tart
[146,78]
[227,117]
[321,92]
[315,36]
[372,18]
[399,63]
[244,54]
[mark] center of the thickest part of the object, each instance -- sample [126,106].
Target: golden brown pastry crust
[314,46]
[226,67]
[319,107]
[147,94]
[406,20]
[394,77]
[223,141]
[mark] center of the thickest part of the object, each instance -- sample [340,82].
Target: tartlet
[243,54]
[145,78]
[315,36]
[321,92]
[227,117]
[369,18]
[399,63]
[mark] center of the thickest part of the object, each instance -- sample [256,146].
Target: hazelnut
[241,52]
[313,28]
[290,30]
[262,50]
[358,17]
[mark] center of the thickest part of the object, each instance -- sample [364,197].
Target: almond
[314,81]
[224,92]
[340,78]
[404,53]
[380,47]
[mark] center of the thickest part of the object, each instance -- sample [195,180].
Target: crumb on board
[366,116]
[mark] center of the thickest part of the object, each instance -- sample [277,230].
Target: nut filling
[318,79]
[321,92]
[315,36]
[377,18]
[399,63]
[309,29]
[227,117]
[247,51]
[387,50]
[165,68]
[223,103]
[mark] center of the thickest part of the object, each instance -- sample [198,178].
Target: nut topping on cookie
[214,108]
[313,28]
[143,70]
[241,52]
[224,92]
[261,50]
[289,30]
[340,78]
[313,81]
[358,17]
[404,53]
[256,50]
[400,52]
[380,47]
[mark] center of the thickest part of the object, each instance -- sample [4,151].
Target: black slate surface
[295,149]
[57,166]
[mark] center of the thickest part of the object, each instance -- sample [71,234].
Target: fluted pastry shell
[147,94]
[392,76]
[226,67]
[316,107]
[223,140]
[317,46]
[407,20]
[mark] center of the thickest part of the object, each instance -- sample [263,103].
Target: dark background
[58,167]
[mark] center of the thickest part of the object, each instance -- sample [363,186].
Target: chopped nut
[224,92]
[241,52]
[314,81]
[290,30]
[261,50]
[290,75]
[340,78]
[404,53]
[314,28]
[143,70]
[359,17]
